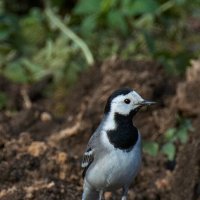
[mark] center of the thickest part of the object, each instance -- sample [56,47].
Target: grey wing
[88,157]
[89,154]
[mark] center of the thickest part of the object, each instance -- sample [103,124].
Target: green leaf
[8,26]
[4,32]
[87,7]
[170,134]
[88,25]
[107,5]
[137,7]
[169,150]
[35,71]
[117,21]
[16,72]
[182,134]
[145,22]
[150,42]
[150,147]
[32,29]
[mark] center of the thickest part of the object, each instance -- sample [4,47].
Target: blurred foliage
[32,45]
[135,29]
[3,100]
[174,135]
[151,148]
[171,137]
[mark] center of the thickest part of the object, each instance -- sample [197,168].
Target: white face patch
[118,105]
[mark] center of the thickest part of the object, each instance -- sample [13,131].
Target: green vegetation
[170,138]
[3,100]
[36,41]
[30,51]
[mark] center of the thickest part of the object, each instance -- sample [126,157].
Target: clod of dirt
[37,148]
[45,117]
[188,93]
[193,72]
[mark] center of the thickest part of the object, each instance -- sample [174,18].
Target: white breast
[115,168]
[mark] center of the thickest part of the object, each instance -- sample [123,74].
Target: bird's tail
[89,193]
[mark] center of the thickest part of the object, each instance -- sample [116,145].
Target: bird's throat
[125,135]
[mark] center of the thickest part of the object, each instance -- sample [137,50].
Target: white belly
[115,169]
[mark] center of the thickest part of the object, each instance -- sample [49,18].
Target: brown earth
[40,153]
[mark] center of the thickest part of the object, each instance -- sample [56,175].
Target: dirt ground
[40,152]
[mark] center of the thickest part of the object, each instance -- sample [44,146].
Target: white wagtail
[113,155]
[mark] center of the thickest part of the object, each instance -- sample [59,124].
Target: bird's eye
[127,101]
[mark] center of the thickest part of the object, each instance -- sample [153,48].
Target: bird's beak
[146,103]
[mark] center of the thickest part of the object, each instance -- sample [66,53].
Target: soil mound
[40,154]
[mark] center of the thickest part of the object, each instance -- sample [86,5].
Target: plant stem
[69,33]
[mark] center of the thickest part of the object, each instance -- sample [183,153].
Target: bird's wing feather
[87,157]
[89,154]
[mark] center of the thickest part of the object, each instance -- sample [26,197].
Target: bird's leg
[89,192]
[101,195]
[124,193]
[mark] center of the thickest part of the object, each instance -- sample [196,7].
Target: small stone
[45,117]
[37,148]
[61,158]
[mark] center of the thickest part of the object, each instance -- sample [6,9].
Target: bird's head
[125,101]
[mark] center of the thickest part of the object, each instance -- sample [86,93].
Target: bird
[113,155]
